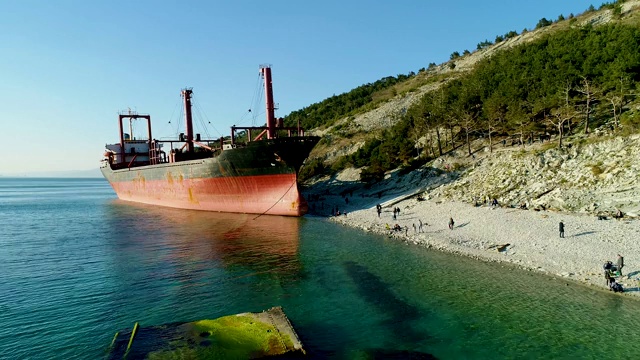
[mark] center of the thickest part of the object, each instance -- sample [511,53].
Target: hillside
[602,162]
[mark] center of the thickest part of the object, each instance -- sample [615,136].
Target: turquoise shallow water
[78,265]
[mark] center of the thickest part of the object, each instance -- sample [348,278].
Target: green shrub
[596,170]
[342,163]
[373,173]
[456,166]
[325,140]
[630,122]
[413,164]
[617,10]
[311,168]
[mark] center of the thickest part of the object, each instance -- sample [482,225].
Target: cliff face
[595,178]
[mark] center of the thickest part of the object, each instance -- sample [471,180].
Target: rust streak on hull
[269,194]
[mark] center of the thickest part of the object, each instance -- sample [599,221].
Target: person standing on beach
[620,264]
[608,278]
[561,228]
[451,223]
[420,226]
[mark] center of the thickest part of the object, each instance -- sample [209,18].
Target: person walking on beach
[561,228]
[451,223]
[620,264]
[420,226]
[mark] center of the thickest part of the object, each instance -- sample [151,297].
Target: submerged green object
[241,336]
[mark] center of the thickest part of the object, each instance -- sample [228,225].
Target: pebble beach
[526,238]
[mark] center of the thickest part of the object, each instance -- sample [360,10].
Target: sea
[78,265]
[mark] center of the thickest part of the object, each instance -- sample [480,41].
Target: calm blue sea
[78,265]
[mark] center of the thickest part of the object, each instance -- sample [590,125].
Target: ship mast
[265,70]
[186,94]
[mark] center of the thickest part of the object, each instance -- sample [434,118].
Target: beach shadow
[499,247]
[633,284]
[435,231]
[634,273]
[407,217]
[324,195]
[585,233]
[462,225]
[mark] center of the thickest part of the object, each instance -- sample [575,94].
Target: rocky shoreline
[582,186]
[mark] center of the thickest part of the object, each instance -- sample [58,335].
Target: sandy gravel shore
[533,237]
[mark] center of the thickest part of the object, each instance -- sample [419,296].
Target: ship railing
[156,156]
[262,131]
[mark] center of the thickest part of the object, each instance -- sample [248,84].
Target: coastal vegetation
[331,109]
[581,78]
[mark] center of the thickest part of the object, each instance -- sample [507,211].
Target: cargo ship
[253,171]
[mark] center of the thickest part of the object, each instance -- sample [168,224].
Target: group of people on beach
[396,212]
[398,228]
[419,228]
[492,202]
[611,271]
[336,212]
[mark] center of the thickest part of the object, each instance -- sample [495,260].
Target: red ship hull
[260,178]
[265,194]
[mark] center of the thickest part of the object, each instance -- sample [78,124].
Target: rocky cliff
[599,177]
[596,176]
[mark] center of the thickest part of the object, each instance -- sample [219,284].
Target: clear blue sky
[69,66]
